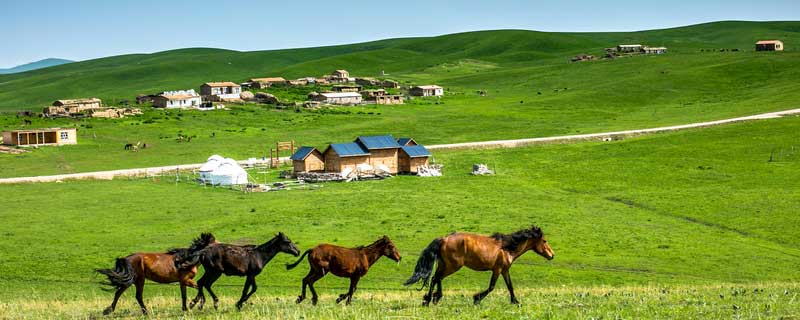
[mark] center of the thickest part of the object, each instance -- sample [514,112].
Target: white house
[341,98]
[177,99]
[427,91]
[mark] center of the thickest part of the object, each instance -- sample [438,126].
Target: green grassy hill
[122,77]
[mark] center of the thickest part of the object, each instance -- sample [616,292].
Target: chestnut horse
[480,253]
[243,261]
[158,267]
[343,262]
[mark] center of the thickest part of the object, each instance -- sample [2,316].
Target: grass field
[683,225]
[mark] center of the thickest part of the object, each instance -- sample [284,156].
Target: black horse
[242,261]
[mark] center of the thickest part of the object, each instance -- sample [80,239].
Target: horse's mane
[182,254]
[380,241]
[513,240]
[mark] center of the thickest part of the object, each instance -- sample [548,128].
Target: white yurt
[207,168]
[228,173]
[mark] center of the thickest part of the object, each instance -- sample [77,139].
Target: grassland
[682,225]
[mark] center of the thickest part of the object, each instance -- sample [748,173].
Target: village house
[427,91]
[308,159]
[654,50]
[177,99]
[340,76]
[71,107]
[388,99]
[221,91]
[629,48]
[346,88]
[41,137]
[367,94]
[769,45]
[338,98]
[411,157]
[262,83]
[341,157]
[114,113]
[297,83]
[390,84]
[368,82]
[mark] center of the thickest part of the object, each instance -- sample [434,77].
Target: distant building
[308,159]
[368,82]
[177,99]
[261,83]
[769,45]
[298,83]
[221,90]
[340,74]
[629,48]
[346,88]
[654,50]
[382,151]
[41,137]
[344,156]
[427,91]
[340,98]
[390,84]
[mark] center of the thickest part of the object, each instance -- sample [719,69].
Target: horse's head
[285,245]
[390,250]
[540,246]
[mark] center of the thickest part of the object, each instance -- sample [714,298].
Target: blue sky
[80,30]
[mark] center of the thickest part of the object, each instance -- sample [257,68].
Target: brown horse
[477,252]
[243,261]
[158,267]
[343,262]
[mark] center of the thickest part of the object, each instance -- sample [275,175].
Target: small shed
[308,159]
[427,91]
[261,83]
[629,48]
[41,137]
[346,88]
[769,45]
[341,156]
[340,98]
[654,50]
[410,158]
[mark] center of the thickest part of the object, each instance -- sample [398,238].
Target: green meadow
[668,224]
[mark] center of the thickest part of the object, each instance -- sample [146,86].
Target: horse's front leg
[507,279]
[349,294]
[247,284]
[200,297]
[183,297]
[476,299]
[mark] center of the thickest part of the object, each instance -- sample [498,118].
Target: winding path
[143,172]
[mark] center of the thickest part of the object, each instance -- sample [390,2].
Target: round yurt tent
[228,173]
[207,168]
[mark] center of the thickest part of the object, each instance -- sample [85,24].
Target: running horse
[243,261]
[343,262]
[175,265]
[494,253]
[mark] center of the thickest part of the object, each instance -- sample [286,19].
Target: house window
[64,135]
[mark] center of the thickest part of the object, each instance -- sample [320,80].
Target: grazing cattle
[129,146]
[176,265]
[493,253]
[352,263]
[243,261]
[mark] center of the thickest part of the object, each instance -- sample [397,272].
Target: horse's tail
[291,266]
[122,276]
[425,263]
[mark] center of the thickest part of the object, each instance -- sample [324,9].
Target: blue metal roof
[378,142]
[302,153]
[349,149]
[416,151]
[403,141]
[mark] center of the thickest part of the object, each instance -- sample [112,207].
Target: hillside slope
[122,77]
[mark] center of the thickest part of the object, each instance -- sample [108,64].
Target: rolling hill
[122,77]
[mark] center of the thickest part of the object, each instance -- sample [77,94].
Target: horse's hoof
[300,299]
[425,303]
[107,311]
[313,302]
[239,306]
[476,300]
[144,311]
[515,301]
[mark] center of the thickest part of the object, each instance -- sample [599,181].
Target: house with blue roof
[341,156]
[411,157]
[383,151]
[308,159]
